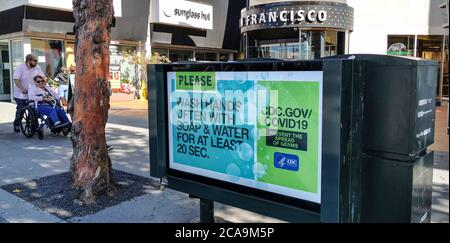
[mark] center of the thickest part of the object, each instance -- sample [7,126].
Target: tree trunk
[90,163]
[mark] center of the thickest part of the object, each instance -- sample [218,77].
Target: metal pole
[408,45]
[148,41]
[441,83]
[415,46]
[245,45]
[300,43]
[11,63]
[206,211]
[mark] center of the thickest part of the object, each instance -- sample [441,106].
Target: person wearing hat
[63,80]
[23,78]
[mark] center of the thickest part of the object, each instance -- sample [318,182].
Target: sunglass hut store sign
[278,16]
[186,13]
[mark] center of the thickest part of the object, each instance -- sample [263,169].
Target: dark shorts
[20,105]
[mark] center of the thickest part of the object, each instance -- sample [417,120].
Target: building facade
[182,30]
[212,30]
[312,29]
[203,30]
[43,28]
[295,29]
[416,28]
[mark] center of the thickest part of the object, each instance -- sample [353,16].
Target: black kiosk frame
[341,164]
[378,121]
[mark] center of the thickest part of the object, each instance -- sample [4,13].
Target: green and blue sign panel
[262,130]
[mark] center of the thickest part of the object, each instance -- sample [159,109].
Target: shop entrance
[435,47]
[430,47]
[294,44]
[5,73]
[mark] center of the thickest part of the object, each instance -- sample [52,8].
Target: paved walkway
[441,168]
[2,220]
[441,140]
[130,105]
[22,160]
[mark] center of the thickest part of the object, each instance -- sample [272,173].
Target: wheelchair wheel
[28,122]
[66,131]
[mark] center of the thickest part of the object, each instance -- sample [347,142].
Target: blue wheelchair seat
[33,122]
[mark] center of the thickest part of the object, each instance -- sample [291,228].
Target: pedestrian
[63,80]
[46,99]
[23,79]
[71,89]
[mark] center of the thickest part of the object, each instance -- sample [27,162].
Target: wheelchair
[32,122]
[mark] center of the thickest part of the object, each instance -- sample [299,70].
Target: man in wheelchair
[47,103]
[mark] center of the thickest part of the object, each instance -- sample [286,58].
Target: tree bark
[90,164]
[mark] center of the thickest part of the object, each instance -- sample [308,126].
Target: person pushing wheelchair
[47,103]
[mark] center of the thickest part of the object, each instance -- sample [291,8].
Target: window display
[123,74]
[50,55]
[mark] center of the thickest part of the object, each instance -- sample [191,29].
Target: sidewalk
[441,168]
[22,160]
[441,142]
[129,105]
[131,155]
[129,113]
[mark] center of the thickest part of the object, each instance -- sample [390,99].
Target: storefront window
[180,55]
[5,66]
[205,56]
[17,59]
[123,74]
[311,45]
[445,78]
[161,52]
[70,56]
[401,45]
[431,47]
[127,70]
[17,54]
[305,45]
[287,50]
[224,57]
[50,55]
[317,44]
[331,43]
[175,55]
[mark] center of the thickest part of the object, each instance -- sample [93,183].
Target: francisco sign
[285,16]
[336,16]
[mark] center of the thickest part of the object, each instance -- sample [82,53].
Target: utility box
[396,192]
[400,105]
[399,125]
[295,140]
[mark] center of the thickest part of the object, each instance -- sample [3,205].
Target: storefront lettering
[184,13]
[189,14]
[292,16]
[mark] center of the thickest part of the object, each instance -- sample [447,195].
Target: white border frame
[294,76]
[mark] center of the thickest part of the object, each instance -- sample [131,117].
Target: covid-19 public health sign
[261,130]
